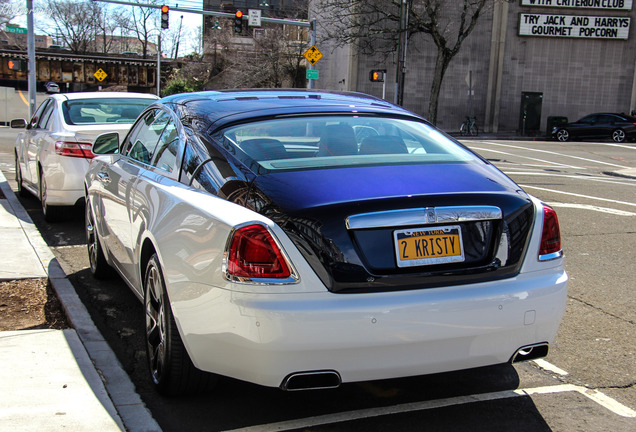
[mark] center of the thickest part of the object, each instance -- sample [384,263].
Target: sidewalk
[57,379]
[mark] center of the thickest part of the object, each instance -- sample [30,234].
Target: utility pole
[31,55]
[176,50]
[312,42]
[159,65]
[400,70]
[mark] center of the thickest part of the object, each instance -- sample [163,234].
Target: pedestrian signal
[17,65]
[377,75]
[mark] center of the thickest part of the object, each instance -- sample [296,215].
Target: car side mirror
[106,143]
[18,124]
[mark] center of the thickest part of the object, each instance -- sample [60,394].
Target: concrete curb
[131,409]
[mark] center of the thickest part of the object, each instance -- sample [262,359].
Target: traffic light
[165,19]
[17,65]
[377,75]
[238,22]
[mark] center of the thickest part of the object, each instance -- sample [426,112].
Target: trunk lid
[467,222]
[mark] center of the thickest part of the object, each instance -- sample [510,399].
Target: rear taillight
[74,149]
[551,235]
[253,253]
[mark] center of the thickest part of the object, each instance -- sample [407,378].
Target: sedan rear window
[103,110]
[339,141]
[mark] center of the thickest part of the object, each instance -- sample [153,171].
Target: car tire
[51,213]
[563,135]
[22,192]
[98,264]
[618,135]
[171,368]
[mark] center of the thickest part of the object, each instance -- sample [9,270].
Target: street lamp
[264,3]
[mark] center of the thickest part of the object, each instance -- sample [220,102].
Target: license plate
[426,246]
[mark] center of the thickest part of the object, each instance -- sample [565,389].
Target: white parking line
[550,367]
[594,395]
[554,153]
[549,163]
[611,211]
[542,173]
[578,195]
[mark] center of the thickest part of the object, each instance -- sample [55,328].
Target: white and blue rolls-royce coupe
[303,239]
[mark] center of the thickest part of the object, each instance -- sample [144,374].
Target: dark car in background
[618,127]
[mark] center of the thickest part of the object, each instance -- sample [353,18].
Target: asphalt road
[585,384]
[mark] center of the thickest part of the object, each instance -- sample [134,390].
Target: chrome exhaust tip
[530,352]
[311,380]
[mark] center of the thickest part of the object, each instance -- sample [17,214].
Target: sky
[191,21]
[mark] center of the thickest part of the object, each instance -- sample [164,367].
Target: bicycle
[469,127]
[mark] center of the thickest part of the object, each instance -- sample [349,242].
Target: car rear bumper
[65,181]
[263,338]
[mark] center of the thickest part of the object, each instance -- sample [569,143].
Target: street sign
[254,16]
[312,55]
[312,74]
[100,74]
[16,30]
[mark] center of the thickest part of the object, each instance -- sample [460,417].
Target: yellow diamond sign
[312,55]
[100,74]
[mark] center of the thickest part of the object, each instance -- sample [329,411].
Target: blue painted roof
[219,108]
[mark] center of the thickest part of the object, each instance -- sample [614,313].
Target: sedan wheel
[99,266]
[563,135]
[18,178]
[51,213]
[171,369]
[618,135]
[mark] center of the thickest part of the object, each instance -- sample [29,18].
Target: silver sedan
[53,153]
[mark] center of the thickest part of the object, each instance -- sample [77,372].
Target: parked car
[301,239]
[618,127]
[51,88]
[53,153]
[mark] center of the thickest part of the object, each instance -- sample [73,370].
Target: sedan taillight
[551,235]
[74,149]
[253,253]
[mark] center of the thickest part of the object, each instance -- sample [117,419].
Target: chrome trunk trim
[423,216]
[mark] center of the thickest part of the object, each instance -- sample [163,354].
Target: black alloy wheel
[171,369]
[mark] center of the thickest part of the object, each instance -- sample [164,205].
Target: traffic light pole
[207,12]
[31,55]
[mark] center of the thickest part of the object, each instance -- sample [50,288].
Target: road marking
[592,394]
[549,163]
[611,180]
[26,102]
[612,211]
[554,153]
[578,195]
[550,367]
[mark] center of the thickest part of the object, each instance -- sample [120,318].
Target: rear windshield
[339,141]
[103,110]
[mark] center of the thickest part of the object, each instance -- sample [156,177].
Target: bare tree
[7,12]
[75,23]
[142,23]
[374,26]
[272,59]
[105,27]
